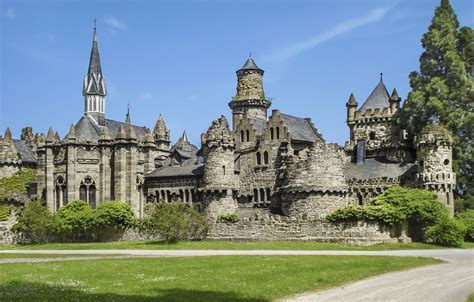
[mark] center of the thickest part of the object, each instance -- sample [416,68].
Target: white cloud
[10,13]
[293,50]
[115,24]
[146,95]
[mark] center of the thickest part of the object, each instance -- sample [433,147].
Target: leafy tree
[467,219]
[443,89]
[76,221]
[35,223]
[112,219]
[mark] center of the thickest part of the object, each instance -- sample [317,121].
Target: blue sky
[178,58]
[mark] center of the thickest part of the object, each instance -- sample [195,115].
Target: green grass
[11,256]
[217,278]
[470,298]
[218,245]
[468,245]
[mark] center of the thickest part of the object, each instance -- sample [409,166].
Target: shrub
[173,222]
[467,219]
[76,221]
[35,223]
[5,211]
[446,232]
[228,217]
[112,218]
[15,187]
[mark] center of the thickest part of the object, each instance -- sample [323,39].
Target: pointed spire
[94,63]
[352,100]
[148,136]
[72,133]
[8,134]
[250,65]
[57,137]
[127,116]
[184,137]
[379,97]
[104,134]
[50,136]
[394,95]
[131,134]
[120,133]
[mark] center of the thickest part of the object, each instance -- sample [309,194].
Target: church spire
[94,89]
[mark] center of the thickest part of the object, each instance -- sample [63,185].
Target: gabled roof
[379,98]
[87,128]
[301,129]
[189,167]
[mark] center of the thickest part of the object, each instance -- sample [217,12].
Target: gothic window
[265,158]
[262,195]
[278,132]
[242,136]
[372,135]
[259,158]
[83,192]
[248,135]
[255,194]
[87,191]
[181,195]
[271,133]
[268,194]
[168,196]
[92,196]
[61,192]
[58,197]
[186,195]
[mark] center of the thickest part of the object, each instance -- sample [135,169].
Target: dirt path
[452,281]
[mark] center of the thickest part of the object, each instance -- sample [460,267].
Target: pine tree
[443,89]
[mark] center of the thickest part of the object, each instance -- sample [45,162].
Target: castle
[278,167]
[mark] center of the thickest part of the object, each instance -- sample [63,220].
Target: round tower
[434,157]
[250,99]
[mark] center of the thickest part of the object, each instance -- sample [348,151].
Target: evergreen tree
[443,89]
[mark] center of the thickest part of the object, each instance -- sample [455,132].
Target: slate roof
[379,98]
[374,168]
[301,129]
[94,63]
[26,154]
[189,167]
[250,65]
[87,128]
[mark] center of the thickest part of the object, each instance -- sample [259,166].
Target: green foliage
[467,219]
[228,217]
[446,232]
[5,211]
[76,221]
[113,218]
[443,89]
[173,222]
[15,187]
[419,208]
[35,223]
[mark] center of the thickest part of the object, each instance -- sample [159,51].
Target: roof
[87,128]
[301,129]
[374,168]
[379,98]
[250,65]
[94,63]
[188,167]
[25,152]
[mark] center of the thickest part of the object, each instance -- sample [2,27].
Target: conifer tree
[443,89]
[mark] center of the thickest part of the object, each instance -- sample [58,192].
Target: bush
[467,219]
[35,223]
[112,218]
[76,221]
[228,217]
[5,211]
[446,232]
[173,222]
[15,187]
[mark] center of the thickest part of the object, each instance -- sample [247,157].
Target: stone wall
[6,235]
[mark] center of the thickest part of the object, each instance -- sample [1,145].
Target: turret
[218,146]
[161,134]
[250,97]
[94,89]
[351,107]
[394,101]
[434,158]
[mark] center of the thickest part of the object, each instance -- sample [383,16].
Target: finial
[95,23]
[381,76]
[250,55]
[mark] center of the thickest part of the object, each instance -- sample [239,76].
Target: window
[262,195]
[278,132]
[448,198]
[181,195]
[223,169]
[271,133]
[446,162]
[186,195]
[92,196]
[372,135]
[248,135]
[87,191]
[259,158]
[242,136]
[268,194]
[265,158]
[255,194]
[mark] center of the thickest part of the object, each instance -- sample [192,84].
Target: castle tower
[394,101]
[219,179]
[351,109]
[434,155]
[250,98]
[94,89]
[161,134]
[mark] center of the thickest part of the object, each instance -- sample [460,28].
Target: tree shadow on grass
[35,291]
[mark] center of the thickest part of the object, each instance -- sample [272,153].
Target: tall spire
[127,117]
[94,63]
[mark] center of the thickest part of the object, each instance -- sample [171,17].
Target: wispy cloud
[10,13]
[146,95]
[293,50]
[115,24]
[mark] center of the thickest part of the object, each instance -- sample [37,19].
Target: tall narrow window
[248,135]
[271,133]
[255,195]
[278,132]
[265,158]
[186,195]
[242,136]
[83,193]
[262,195]
[223,169]
[268,194]
[181,195]
[259,158]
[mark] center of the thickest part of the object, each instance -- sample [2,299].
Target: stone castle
[277,172]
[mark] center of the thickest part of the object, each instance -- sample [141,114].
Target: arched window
[255,195]
[372,135]
[83,192]
[248,135]
[269,195]
[87,191]
[259,158]
[92,196]
[162,196]
[262,195]
[242,136]
[278,132]
[271,133]
[168,196]
[448,198]
[359,199]
[186,195]
[265,158]
[181,195]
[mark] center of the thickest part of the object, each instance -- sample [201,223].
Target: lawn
[10,256]
[219,245]
[217,278]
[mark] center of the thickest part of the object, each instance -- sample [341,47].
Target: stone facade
[276,171]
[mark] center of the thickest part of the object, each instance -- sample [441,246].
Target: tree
[443,89]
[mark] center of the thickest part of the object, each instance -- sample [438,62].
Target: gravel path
[452,281]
